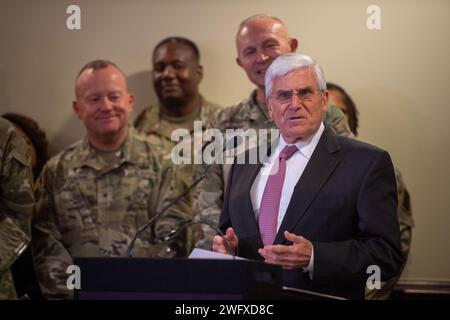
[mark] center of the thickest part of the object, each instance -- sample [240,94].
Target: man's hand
[294,256]
[226,244]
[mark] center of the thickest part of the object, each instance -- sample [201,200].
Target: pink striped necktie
[270,203]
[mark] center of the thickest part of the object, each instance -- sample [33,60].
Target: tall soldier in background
[176,77]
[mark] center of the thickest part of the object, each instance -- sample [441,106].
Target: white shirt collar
[306,147]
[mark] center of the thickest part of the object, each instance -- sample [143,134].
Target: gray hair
[289,62]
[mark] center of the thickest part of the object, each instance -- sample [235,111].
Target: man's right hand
[226,244]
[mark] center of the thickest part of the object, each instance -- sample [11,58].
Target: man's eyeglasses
[305,95]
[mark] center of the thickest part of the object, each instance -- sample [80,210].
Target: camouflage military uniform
[16,203]
[248,114]
[159,130]
[150,122]
[91,204]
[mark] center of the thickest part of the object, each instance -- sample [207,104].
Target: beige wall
[398,76]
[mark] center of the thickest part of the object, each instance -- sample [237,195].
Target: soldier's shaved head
[260,40]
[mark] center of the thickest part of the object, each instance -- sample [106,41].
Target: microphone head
[170,235]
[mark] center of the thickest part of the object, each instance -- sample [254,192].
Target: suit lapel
[320,166]
[250,176]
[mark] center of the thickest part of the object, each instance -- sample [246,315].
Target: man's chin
[107,128]
[293,136]
[258,80]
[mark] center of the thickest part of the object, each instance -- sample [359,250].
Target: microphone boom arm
[181,195]
[163,210]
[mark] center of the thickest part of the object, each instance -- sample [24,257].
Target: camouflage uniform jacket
[149,122]
[248,114]
[88,207]
[16,203]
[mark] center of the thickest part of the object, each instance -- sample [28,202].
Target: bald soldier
[16,203]
[260,40]
[94,195]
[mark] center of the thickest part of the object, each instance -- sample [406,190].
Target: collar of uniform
[129,147]
[257,110]
[89,156]
[152,121]
[153,118]
[206,111]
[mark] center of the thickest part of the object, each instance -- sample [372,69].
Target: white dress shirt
[295,166]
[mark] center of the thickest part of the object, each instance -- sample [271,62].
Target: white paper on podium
[207,254]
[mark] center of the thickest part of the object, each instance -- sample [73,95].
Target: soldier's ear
[238,61]
[77,109]
[293,43]
[199,72]
[131,100]
[325,99]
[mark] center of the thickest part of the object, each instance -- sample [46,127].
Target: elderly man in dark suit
[321,206]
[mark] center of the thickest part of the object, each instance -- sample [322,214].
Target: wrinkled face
[103,102]
[176,74]
[297,119]
[259,43]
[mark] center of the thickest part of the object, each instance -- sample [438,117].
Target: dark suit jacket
[344,203]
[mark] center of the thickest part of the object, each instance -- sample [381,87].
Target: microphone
[174,232]
[234,142]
